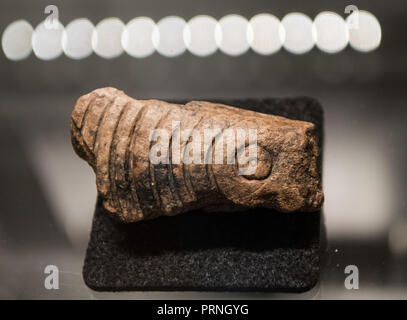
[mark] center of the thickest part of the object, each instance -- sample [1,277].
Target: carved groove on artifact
[153,183]
[119,161]
[100,121]
[84,121]
[85,112]
[171,178]
[111,162]
[209,168]
[85,125]
[142,179]
[104,143]
[185,172]
[130,157]
[80,140]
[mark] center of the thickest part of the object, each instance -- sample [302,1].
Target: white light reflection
[368,34]
[202,36]
[268,34]
[299,33]
[233,35]
[168,36]
[77,39]
[331,31]
[137,37]
[16,40]
[106,38]
[47,42]
[199,35]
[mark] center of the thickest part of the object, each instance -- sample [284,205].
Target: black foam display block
[255,250]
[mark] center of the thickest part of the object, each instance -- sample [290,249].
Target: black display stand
[256,250]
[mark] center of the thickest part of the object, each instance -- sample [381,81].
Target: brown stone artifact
[152,158]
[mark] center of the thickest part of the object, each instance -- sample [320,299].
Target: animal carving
[152,158]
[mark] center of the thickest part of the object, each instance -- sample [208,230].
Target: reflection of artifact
[116,135]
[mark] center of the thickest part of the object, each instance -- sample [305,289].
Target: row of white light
[202,36]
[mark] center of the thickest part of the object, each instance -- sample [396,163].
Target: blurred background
[48,194]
